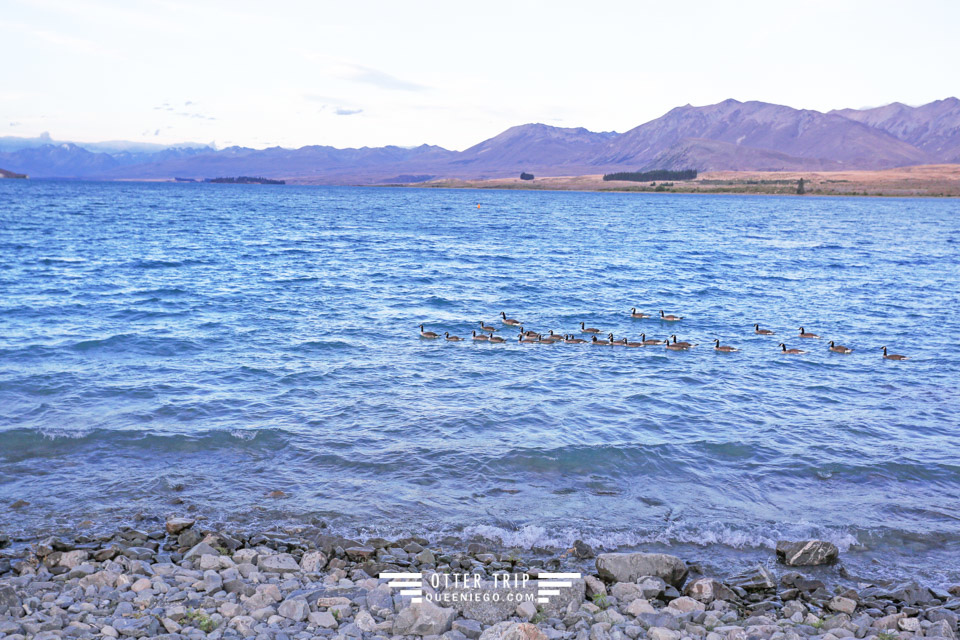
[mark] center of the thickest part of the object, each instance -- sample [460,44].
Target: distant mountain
[729,135]
[14,143]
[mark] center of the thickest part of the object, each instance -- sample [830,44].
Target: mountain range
[729,135]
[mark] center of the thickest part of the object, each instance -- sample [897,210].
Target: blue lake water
[214,343]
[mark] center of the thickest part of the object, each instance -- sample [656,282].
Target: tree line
[649,176]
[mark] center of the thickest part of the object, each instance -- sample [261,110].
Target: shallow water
[217,342]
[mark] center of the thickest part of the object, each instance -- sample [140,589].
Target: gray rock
[324,620]
[807,552]
[470,628]
[940,629]
[843,605]
[313,561]
[9,600]
[212,582]
[380,601]
[627,567]
[488,603]
[176,525]
[423,619]
[200,549]
[513,631]
[707,590]
[758,578]
[278,563]
[295,609]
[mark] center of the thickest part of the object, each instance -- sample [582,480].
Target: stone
[469,628]
[842,605]
[323,619]
[486,603]
[909,624]
[513,631]
[661,633]
[140,585]
[686,604]
[295,609]
[313,561]
[359,553]
[582,550]
[638,606]
[758,578]
[426,557]
[9,600]
[72,559]
[706,590]
[595,586]
[651,587]
[526,610]
[807,552]
[212,582]
[940,629]
[888,622]
[423,619]
[200,549]
[380,601]
[365,622]
[278,563]
[176,525]
[628,567]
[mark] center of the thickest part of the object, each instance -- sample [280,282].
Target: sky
[352,74]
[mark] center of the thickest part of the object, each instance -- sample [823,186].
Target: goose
[600,342]
[635,314]
[893,356]
[614,343]
[531,334]
[547,340]
[724,348]
[634,345]
[487,328]
[482,336]
[526,339]
[804,334]
[643,339]
[497,339]
[510,321]
[783,349]
[762,332]
[584,329]
[572,340]
[428,334]
[669,317]
[838,348]
[450,338]
[678,346]
[682,343]
[555,336]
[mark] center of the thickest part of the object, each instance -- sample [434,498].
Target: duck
[487,328]
[450,338]
[555,336]
[804,334]
[527,339]
[783,349]
[510,321]
[571,340]
[669,317]
[584,329]
[614,343]
[762,332]
[839,348]
[632,345]
[678,346]
[682,343]
[600,342]
[531,334]
[428,334]
[893,356]
[724,348]
[482,336]
[635,314]
[497,339]
[643,339]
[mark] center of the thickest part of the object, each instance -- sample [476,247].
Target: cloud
[354,72]
[14,124]
[340,111]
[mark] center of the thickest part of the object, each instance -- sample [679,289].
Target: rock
[940,629]
[295,609]
[661,633]
[360,553]
[323,619]
[651,587]
[230,609]
[582,550]
[888,622]
[71,559]
[639,606]
[469,628]
[909,624]
[313,561]
[513,631]
[595,586]
[707,590]
[627,567]
[686,604]
[140,585]
[423,619]
[426,557]
[758,578]
[200,549]
[380,601]
[807,552]
[212,582]
[9,600]
[935,615]
[365,622]
[488,604]
[843,605]
[176,525]
[19,504]
[278,563]
[526,610]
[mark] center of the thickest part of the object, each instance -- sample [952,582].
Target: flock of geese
[532,337]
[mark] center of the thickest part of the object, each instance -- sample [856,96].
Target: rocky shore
[183,581]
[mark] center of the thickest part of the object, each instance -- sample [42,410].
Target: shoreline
[183,579]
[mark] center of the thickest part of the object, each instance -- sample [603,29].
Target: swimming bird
[893,356]
[627,343]
[482,336]
[678,346]
[669,317]
[614,343]
[804,334]
[838,348]
[783,349]
[547,340]
[643,339]
[724,348]
[555,336]
[510,321]
[446,334]
[527,339]
[634,314]
[584,329]
[487,328]
[762,332]
[532,334]
[497,339]
[428,334]
[600,342]
[572,340]
[682,343]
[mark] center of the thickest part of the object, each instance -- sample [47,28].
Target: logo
[468,587]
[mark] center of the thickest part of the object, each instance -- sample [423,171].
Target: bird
[584,329]
[450,338]
[614,343]
[482,336]
[893,356]
[510,321]
[527,339]
[600,342]
[682,343]
[627,343]
[487,328]
[804,334]
[784,349]
[547,339]
[531,334]
[635,314]
[571,340]
[724,348]
[678,346]
[555,336]
[497,340]
[669,317]
[838,348]
[428,334]
[762,332]
[643,339]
